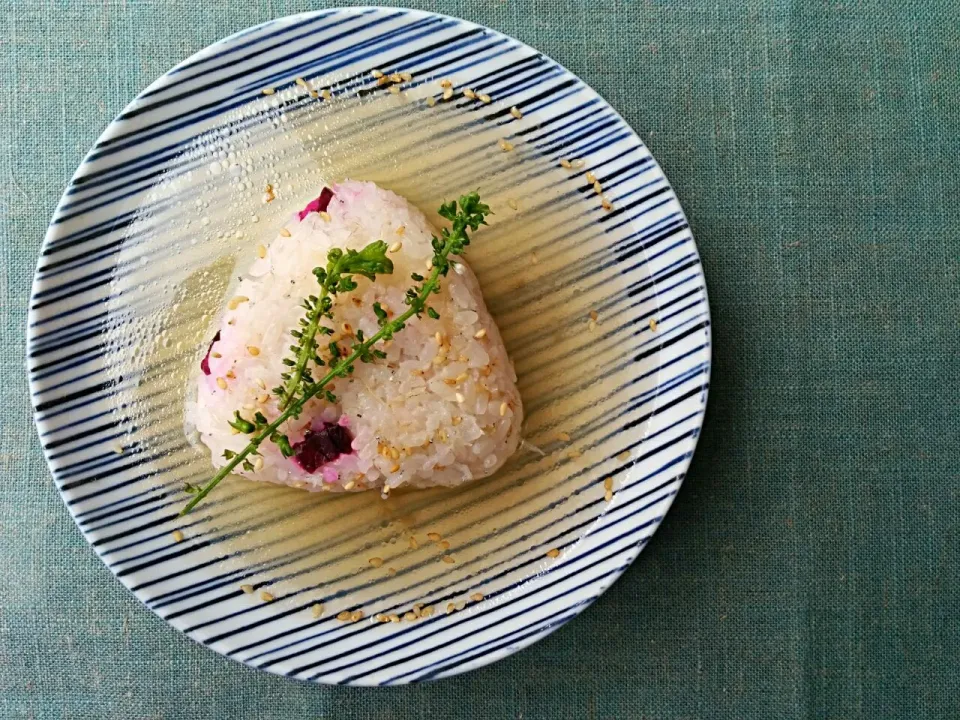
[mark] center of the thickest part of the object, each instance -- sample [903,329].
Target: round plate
[603,309]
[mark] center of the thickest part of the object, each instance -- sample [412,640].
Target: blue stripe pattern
[646,365]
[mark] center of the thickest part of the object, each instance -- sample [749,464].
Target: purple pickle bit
[319,204]
[205,363]
[321,447]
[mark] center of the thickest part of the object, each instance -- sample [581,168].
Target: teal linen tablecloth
[811,565]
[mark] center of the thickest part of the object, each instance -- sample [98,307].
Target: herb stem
[340,369]
[308,342]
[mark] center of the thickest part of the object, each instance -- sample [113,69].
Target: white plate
[139,256]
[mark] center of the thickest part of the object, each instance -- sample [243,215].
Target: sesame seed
[413,543]
[324,215]
[406,77]
[477,597]
[346,328]
[396,247]
[248,589]
[427,611]
[266,597]
[435,537]
[598,188]
[430,264]
[216,355]
[564,163]
[391,571]
[505,145]
[594,315]
[608,483]
[394,89]
[448,559]
[625,455]
[591,178]
[503,408]
[325,94]
[534,259]
[577,164]
[314,94]
[439,337]
[394,618]
[231,375]
[479,334]
[515,111]
[446,83]
[401,230]
[553,552]
[461,377]
[349,485]
[608,495]
[317,610]
[605,203]
[592,325]
[236,301]
[177,536]
[447,93]
[262,399]
[653,325]
[284,232]
[268,91]
[467,92]
[221,383]
[485,99]
[456,420]
[382,81]
[261,251]
[450,608]
[376,562]
[253,350]
[356,616]
[117,448]
[410,616]
[395,77]
[343,615]
[564,436]
[376,74]
[574,454]
[301,82]
[382,618]
[512,203]
[261,384]
[395,468]
[258,463]
[460,397]
[431,101]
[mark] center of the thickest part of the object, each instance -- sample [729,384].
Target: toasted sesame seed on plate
[503,408]
[376,562]
[448,559]
[268,91]
[608,495]
[505,145]
[248,589]
[564,163]
[594,315]
[177,536]
[591,178]
[325,94]
[485,99]
[343,615]
[266,597]
[598,188]
[512,203]
[608,483]
[349,485]
[356,616]
[431,101]
[447,93]
[653,325]
[434,536]
[477,597]
[468,93]
[117,448]
[394,89]
[445,83]
[515,111]
[625,455]
[406,77]
[377,74]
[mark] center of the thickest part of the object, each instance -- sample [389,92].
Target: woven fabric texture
[811,565]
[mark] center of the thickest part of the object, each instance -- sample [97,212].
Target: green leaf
[433,313]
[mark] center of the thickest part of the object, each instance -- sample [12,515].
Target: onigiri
[440,408]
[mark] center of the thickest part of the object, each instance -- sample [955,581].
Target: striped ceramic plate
[588,265]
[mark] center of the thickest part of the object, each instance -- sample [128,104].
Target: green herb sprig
[299,386]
